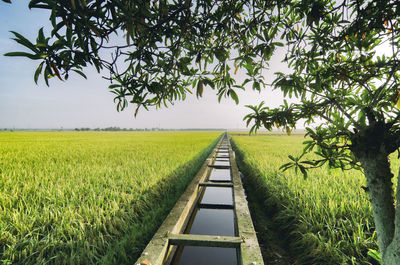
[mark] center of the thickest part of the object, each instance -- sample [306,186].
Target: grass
[325,219]
[90,197]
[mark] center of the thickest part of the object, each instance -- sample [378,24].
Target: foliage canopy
[155,51]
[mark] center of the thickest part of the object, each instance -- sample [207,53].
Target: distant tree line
[113,129]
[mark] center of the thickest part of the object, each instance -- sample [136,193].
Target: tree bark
[392,254]
[380,189]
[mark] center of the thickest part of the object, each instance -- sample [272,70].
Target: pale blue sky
[88,103]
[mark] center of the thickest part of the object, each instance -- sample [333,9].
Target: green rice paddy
[98,197]
[326,218]
[90,197]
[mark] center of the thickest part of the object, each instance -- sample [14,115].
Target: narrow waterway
[211,222]
[214,215]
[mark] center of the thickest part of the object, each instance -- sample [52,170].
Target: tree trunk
[392,254]
[380,189]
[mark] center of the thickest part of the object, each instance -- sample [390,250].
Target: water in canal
[214,215]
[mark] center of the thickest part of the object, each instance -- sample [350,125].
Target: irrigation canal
[210,223]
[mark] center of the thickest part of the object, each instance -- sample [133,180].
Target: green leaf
[234,96]
[311,163]
[288,131]
[286,166]
[47,73]
[38,71]
[220,54]
[208,82]
[303,171]
[220,96]
[24,41]
[80,73]
[200,86]
[398,103]
[23,54]
[41,39]
[280,44]
[38,4]
[114,86]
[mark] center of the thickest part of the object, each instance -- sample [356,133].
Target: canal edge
[159,250]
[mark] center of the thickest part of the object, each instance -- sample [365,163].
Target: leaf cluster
[155,52]
[344,82]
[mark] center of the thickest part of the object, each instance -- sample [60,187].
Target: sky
[81,102]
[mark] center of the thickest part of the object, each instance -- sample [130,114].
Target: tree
[160,50]
[339,77]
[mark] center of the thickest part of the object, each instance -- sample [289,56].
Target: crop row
[326,218]
[90,197]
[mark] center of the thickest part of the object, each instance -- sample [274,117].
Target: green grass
[90,197]
[325,219]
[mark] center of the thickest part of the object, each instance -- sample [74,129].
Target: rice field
[90,197]
[326,218]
